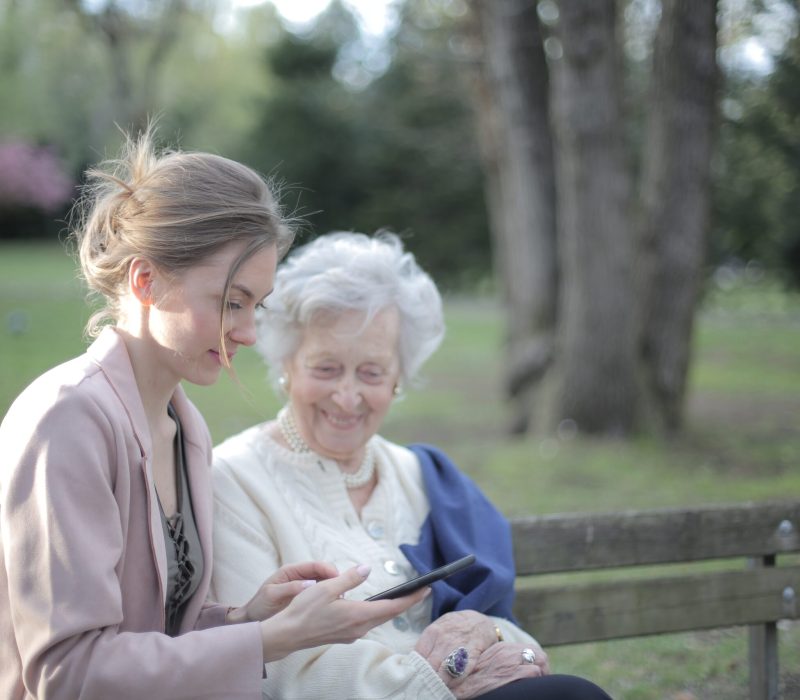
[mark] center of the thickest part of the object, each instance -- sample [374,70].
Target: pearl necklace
[291,434]
[289,431]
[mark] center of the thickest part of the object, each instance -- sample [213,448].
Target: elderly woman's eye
[324,370]
[372,374]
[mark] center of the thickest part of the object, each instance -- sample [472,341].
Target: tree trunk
[628,279]
[596,344]
[512,93]
[674,200]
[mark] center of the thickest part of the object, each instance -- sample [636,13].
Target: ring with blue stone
[456,662]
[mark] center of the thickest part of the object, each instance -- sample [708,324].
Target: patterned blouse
[184,556]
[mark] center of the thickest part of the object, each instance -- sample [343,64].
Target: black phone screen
[415,584]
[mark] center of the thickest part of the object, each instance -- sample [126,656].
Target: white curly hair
[344,271]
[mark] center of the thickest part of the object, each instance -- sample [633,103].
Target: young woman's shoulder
[70,414]
[59,389]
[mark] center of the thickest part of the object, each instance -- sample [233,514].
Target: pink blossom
[32,176]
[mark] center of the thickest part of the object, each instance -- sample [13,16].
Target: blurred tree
[50,78]
[423,162]
[595,367]
[675,203]
[758,178]
[363,149]
[621,339]
[307,128]
[59,68]
[512,93]
[143,33]
[214,79]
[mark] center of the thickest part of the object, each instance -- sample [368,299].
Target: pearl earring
[283,382]
[398,389]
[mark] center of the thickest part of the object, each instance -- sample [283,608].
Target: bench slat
[628,608]
[553,543]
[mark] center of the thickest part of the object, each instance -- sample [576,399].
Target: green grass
[42,312]
[742,440]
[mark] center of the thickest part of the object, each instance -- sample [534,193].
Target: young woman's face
[342,380]
[185,321]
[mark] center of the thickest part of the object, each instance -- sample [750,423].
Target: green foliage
[60,77]
[305,135]
[399,153]
[292,59]
[758,180]
[51,77]
[424,171]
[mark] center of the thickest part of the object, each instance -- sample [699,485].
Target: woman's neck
[155,387]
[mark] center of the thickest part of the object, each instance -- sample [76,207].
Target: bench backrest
[633,604]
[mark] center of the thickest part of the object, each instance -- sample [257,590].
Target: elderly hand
[279,590]
[501,663]
[466,628]
[320,615]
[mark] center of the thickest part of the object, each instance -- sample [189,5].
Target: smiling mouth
[343,423]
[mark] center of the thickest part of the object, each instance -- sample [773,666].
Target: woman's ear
[141,275]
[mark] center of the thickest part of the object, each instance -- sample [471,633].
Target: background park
[606,192]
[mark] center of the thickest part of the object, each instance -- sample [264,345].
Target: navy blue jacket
[462,521]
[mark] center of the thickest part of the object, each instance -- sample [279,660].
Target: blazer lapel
[110,353]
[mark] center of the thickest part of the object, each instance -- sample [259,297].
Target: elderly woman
[350,322]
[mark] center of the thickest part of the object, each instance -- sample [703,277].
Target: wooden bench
[758,593]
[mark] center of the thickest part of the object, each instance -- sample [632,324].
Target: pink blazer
[83,566]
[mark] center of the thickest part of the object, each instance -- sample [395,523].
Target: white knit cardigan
[274,506]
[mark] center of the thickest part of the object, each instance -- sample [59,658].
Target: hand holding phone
[415,584]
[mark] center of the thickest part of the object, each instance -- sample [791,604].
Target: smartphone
[415,584]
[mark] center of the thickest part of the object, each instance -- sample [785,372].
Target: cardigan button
[375,529]
[391,567]
[400,624]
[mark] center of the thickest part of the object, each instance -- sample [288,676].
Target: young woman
[105,496]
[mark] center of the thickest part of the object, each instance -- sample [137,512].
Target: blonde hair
[173,208]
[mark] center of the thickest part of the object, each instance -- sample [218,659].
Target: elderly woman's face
[342,379]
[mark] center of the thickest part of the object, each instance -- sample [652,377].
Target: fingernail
[308,584]
[363,570]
